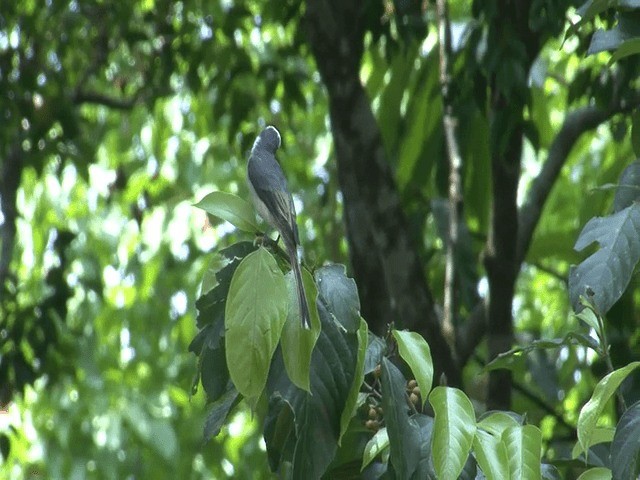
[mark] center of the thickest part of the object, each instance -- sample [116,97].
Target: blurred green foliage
[118,116]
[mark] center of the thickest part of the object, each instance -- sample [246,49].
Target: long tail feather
[302,298]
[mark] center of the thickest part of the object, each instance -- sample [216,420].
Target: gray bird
[273,201]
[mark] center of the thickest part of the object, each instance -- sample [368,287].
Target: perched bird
[273,201]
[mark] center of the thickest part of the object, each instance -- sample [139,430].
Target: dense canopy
[448,153]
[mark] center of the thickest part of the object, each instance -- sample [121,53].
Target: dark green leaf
[219,412]
[607,272]
[629,189]
[375,351]
[404,436]
[339,294]
[625,448]
[316,426]
[352,399]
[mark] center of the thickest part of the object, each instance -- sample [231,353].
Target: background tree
[117,116]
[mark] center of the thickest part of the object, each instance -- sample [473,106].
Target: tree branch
[450,125]
[100,99]
[575,124]
[12,167]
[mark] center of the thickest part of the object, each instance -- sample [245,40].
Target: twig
[575,124]
[111,102]
[551,272]
[9,184]
[455,164]
[524,391]
[529,394]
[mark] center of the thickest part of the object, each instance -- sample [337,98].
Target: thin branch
[552,272]
[533,397]
[471,332]
[575,124]
[100,99]
[455,164]
[12,167]
[545,406]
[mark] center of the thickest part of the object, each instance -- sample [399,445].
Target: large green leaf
[255,313]
[590,413]
[352,399]
[339,295]
[454,430]
[625,448]
[491,454]
[208,344]
[524,450]
[309,439]
[497,422]
[608,271]
[404,436]
[598,435]
[297,341]
[414,350]
[231,208]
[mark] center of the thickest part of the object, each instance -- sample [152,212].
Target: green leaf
[592,410]
[312,437]
[375,350]
[230,207]
[625,49]
[625,448]
[491,454]
[596,473]
[589,317]
[629,189]
[339,294]
[550,472]
[414,350]
[374,447]
[279,431]
[254,316]
[297,341]
[608,271]
[352,399]
[524,450]
[404,436]
[635,132]
[219,412]
[497,422]
[599,435]
[454,430]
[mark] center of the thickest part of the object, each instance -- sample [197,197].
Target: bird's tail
[302,298]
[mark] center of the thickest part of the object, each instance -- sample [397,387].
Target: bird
[273,201]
